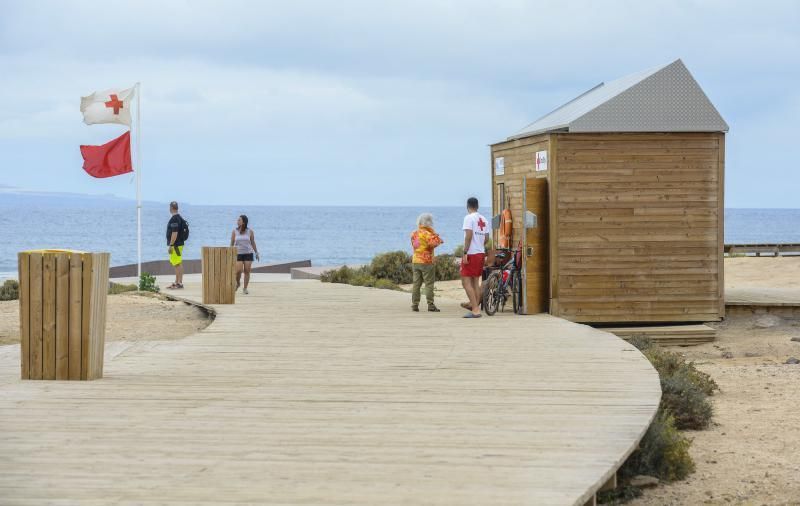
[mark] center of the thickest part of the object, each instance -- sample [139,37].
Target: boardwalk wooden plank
[314,393]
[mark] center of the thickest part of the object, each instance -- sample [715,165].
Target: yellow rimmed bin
[62,302]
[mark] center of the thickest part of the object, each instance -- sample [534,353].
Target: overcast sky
[372,102]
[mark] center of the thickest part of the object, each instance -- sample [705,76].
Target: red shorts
[474,266]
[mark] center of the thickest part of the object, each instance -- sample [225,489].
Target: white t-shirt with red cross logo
[480,230]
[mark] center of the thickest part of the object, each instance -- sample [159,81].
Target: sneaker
[415,308]
[245,291]
[433,309]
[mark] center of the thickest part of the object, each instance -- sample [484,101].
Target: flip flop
[472,315]
[173,286]
[466,305]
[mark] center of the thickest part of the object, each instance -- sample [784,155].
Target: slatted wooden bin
[219,275]
[62,301]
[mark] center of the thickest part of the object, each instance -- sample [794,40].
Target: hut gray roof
[661,99]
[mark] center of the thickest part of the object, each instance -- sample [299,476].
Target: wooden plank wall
[519,158]
[639,220]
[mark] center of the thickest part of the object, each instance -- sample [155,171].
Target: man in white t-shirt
[477,234]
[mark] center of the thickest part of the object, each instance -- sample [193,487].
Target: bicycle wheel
[490,287]
[516,291]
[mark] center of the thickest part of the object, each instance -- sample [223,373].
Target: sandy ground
[751,454]
[130,317]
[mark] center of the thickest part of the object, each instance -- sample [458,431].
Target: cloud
[362,102]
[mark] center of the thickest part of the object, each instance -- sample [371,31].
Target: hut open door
[536,249]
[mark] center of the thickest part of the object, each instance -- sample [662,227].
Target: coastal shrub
[620,495]
[394,265]
[341,275]
[459,251]
[446,268]
[641,343]
[9,290]
[669,363]
[117,288]
[362,279]
[357,277]
[386,284]
[663,452]
[685,401]
[147,283]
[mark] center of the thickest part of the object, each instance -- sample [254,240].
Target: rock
[795,339]
[643,481]
[768,321]
[793,360]
[727,354]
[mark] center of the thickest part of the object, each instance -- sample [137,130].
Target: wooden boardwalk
[309,393]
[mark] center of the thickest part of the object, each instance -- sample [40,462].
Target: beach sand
[751,454]
[130,317]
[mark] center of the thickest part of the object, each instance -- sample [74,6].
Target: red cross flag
[110,106]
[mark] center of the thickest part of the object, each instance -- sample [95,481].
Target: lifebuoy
[506,229]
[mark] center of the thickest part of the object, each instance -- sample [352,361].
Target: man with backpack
[177,233]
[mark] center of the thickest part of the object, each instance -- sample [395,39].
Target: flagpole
[138,184]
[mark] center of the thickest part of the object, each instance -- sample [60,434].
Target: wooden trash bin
[219,275]
[62,302]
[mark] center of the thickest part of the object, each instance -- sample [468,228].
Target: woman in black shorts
[245,241]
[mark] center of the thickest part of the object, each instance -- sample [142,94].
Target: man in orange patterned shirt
[423,241]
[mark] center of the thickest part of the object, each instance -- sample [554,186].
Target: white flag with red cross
[110,106]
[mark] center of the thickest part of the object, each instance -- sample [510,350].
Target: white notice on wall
[541,160]
[499,166]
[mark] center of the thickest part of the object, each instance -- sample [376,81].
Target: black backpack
[184,232]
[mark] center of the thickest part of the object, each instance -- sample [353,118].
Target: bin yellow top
[54,251]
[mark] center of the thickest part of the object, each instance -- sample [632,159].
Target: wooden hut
[626,182]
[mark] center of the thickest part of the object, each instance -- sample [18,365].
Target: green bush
[642,343]
[446,268]
[395,266]
[357,277]
[341,275]
[9,290]
[459,251]
[117,288]
[147,283]
[685,401]
[663,452]
[362,279]
[386,284]
[622,494]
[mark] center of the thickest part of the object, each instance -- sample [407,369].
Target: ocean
[324,235]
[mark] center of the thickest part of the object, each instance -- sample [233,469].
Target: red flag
[111,159]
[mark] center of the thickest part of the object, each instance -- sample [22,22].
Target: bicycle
[503,280]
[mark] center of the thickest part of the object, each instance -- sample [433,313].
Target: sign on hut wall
[541,160]
[499,166]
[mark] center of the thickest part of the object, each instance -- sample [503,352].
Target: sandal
[472,315]
[173,286]
[466,305]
